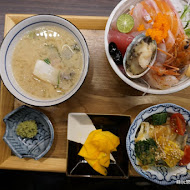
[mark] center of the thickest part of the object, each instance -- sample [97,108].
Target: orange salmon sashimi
[172,19]
[180,25]
[154,7]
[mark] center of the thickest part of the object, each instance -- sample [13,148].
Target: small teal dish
[35,147]
[160,174]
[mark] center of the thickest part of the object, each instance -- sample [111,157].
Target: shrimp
[173,68]
[161,57]
[161,70]
[159,78]
[160,82]
[181,52]
[169,41]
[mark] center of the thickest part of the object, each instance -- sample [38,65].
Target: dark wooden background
[57,7]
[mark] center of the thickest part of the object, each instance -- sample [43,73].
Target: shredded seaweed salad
[162,141]
[146,151]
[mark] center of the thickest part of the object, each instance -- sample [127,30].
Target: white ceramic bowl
[159,175]
[14,36]
[121,7]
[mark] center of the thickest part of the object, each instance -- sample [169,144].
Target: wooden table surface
[57,7]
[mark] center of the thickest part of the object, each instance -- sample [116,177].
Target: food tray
[102,92]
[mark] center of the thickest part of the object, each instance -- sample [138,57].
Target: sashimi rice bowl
[147,44]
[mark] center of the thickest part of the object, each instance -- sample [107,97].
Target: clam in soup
[47,62]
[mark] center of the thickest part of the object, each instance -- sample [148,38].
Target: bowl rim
[26,96]
[128,144]
[173,89]
[46,119]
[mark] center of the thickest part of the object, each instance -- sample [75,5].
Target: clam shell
[135,41]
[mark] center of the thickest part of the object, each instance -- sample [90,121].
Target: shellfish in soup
[47,62]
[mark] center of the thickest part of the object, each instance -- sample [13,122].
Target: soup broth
[47,62]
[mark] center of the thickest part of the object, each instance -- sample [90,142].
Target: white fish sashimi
[46,72]
[140,16]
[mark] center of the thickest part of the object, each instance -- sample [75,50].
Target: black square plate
[118,125]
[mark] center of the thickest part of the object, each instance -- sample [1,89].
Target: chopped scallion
[58,79]
[47,61]
[187,24]
[187,32]
[186,10]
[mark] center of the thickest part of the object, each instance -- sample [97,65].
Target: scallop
[140,56]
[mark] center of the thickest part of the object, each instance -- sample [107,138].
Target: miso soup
[47,62]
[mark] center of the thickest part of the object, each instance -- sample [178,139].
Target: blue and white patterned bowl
[35,147]
[7,49]
[159,175]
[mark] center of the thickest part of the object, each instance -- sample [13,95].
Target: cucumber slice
[159,118]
